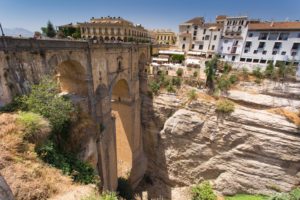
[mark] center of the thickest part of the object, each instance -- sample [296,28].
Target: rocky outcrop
[5,191]
[248,151]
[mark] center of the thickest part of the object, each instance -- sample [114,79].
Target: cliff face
[247,151]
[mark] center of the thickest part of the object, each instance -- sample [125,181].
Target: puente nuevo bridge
[105,80]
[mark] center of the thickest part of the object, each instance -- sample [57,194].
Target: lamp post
[2,30]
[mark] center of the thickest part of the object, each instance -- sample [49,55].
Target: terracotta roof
[211,25]
[220,17]
[196,21]
[275,26]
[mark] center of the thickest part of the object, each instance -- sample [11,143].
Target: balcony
[228,32]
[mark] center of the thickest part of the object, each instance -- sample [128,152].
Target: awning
[196,53]
[160,59]
[171,52]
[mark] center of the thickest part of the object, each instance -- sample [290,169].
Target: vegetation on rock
[124,189]
[179,72]
[246,197]
[203,191]
[225,106]
[103,196]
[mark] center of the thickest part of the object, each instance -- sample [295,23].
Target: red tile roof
[275,26]
[196,21]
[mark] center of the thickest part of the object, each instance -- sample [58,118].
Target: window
[255,52]
[296,46]
[261,45]
[183,46]
[249,60]
[255,60]
[236,43]
[225,41]
[215,37]
[263,36]
[263,61]
[298,35]
[213,47]
[200,46]
[194,38]
[195,27]
[242,59]
[277,45]
[274,52]
[195,33]
[204,31]
[207,37]
[273,36]
[248,44]
[294,53]
[193,46]
[283,53]
[184,38]
[250,35]
[240,28]
[283,36]
[203,38]
[246,51]
[233,58]
[264,52]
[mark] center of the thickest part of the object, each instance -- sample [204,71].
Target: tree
[49,31]
[177,58]
[210,71]
[270,70]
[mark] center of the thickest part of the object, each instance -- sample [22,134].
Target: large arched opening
[71,77]
[121,111]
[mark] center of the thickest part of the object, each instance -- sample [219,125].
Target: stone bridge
[105,80]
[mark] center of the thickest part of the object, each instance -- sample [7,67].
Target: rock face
[248,151]
[5,191]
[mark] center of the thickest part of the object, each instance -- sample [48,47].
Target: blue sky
[32,14]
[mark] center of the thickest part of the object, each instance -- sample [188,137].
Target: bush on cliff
[225,106]
[203,191]
[45,100]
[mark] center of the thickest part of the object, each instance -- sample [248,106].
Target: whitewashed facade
[272,41]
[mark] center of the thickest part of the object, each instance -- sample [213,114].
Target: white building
[233,36]
[272,41]
[238,39]
[198,37]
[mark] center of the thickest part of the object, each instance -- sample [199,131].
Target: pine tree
[49,31]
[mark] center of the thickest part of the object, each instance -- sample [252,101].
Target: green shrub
[195,74]
[176,81]
[154,87]
[179,72]
[80,171]
[103,196]
[177,58]
[233,78]
[36,128]
[269,71]
[14,105]
[170,88]
[246,197]
[192,95]
[280,196]
[225,106]
[245,73]
[44,100]
[203,191]
[295,194]
[124,189]
[227,68]
[223,83]
[257,73]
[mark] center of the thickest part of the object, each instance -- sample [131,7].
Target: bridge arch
[121,111]
[71,76]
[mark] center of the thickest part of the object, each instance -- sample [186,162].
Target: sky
[152,14]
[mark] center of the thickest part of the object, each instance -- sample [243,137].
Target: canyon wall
[247,151]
